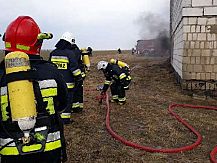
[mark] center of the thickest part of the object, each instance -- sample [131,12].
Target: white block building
[194,42]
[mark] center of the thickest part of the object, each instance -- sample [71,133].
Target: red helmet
[21,35]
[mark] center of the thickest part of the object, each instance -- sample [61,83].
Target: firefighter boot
[114,99]
[121,101]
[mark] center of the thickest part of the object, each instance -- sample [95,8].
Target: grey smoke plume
[155,26]
[163,41]
[151,25]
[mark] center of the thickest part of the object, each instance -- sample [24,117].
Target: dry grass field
[144,119]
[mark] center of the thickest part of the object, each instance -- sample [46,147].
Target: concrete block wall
[194,39]
[177,35]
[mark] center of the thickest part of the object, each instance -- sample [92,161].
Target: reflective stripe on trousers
[65,115]
[76,105]
[115,97]
[122,99]
[70,85]
[81,105]
[107,82]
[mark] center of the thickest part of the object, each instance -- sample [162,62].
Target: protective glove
[83,75]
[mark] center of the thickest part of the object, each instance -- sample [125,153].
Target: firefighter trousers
[118,92]
[78,98]
[66,114]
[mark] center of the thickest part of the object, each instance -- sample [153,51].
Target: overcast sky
[101,24]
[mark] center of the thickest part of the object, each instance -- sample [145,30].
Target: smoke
[155,26]
[151,24]
[163,42]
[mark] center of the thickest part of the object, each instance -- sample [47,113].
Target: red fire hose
[213,155]
[169,150]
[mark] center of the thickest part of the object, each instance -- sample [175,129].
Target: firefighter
[84,65]
[39,137]
[119,51]
[126,69]
[90,51]
[133,51]
[116,79]
[66,56]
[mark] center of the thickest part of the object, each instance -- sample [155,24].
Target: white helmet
[102,65]
[67,36]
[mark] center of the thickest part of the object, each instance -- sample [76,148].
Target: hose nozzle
[47,36]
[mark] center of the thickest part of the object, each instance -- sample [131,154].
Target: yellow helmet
[84,50]
[113,61]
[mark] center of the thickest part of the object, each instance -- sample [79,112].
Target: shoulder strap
[21,75]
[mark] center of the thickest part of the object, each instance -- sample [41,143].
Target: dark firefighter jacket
[51,95]
[113,72]
[67,61]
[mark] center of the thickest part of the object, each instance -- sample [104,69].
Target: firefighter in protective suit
[126,69]
[66,56]
[84,65]
[115,78]
[32,98]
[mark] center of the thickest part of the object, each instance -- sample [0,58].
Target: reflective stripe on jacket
[67,62]
[53,142]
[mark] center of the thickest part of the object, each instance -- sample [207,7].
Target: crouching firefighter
[115,78]
[126,69]
[32,95]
